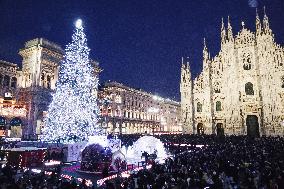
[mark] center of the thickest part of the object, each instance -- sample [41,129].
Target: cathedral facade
[240,91]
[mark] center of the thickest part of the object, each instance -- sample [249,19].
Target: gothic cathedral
[240,91]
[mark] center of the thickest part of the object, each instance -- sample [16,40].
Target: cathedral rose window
[249,88]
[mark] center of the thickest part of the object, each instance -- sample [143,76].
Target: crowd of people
[223,162]
[227,162]
[19,178]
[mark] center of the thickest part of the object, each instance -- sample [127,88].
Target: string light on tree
[72,114]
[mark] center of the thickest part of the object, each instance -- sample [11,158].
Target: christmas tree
[72,114]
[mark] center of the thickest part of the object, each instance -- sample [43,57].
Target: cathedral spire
[230,31]
[266,27]
[188,67]
[223,33]
[257,24]
[187,64]
[205,51]
[185,70]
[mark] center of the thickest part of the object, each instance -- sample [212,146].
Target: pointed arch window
[246,61]
[42,79]
[1,79]
[217,88]
[282,81]
[6,81]
[199,107]
[249,88]
[48,79]
[42,76]
[218,106]
[184,79]
[13,82]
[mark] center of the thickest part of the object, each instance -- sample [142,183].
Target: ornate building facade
[127,110]
[12,113]
[26,93]
[240,91]
[29,89]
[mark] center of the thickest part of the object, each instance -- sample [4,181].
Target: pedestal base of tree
[74,151]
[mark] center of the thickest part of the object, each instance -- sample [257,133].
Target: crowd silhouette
[227,162]
[223,162]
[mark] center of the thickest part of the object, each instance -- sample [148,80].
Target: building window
[1,78]
[48,79]
[246,62]
[217,88]
[118,99]
[282,81]
[6,81]
[199,107]
[218,106]
[249,88]
[42,76]
[14,82]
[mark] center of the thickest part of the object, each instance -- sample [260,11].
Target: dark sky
[139,43]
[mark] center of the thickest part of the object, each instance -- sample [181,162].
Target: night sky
[139,43]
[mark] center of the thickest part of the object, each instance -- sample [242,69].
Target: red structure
[25,156]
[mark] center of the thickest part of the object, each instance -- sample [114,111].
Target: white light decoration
[8,95]
[19,112]
[52,163]
[147,144]
[163,121]
[157,98]
[36,170]
[72,114]
[153,110]
[124,174]
[78,23]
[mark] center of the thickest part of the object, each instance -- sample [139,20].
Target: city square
[142,95]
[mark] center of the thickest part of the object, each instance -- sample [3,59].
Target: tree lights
[72,114]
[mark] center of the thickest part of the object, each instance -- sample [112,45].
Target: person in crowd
[197,162]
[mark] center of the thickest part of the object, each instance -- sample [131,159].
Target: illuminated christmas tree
[72,114]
